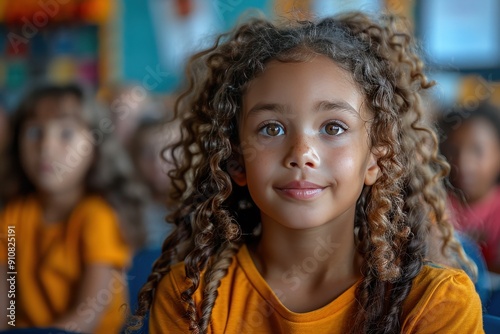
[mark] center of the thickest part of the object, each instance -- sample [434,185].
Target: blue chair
[139,271]
[483,284]
[493,307]
[491,324]
[137,275]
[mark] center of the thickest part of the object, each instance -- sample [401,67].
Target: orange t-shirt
[441,301]
[50,260]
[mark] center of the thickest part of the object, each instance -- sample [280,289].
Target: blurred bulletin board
[182,27]
[461,35]
[58,41]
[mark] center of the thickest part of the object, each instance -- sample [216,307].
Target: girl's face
[305,144]
[474,153]
[55,145]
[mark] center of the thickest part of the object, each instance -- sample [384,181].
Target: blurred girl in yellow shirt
[73,208]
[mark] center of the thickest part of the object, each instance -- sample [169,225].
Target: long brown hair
[394,216]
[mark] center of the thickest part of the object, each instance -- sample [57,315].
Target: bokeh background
[130,55]
[105,42]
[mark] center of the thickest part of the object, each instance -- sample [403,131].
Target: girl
[473,149]
[308,185]
[70,245]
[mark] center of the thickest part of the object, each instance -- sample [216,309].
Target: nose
[47,144]
[302,153]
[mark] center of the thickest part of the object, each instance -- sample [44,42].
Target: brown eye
[333,129]
[272,130]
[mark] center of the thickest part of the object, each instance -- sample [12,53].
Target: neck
[326,252]
[58,205]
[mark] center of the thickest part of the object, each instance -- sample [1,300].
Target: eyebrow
[325,105]
[335,106]
[60,117]
[273,107]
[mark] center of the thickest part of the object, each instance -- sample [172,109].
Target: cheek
[490,164]
[344,161]
[28,154]
[145,167]
[87,160]
[261,168]
[259,165]
[85,151]
[488,155]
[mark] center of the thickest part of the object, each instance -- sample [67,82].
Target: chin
[303,225]
[52,186]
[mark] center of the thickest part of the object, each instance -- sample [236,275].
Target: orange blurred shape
[474,89]
[17,12]
[299,10]
[96,10]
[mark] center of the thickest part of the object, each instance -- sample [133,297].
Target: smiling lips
[301,190]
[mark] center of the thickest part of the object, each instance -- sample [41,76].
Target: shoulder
[168,310]
[432,273]
[95,205]
[167,295]
[20,203]
[436,279]
[174,282]
[23,211]
[439,296]
[94,213]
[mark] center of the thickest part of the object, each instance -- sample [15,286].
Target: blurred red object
[184,7]
[36,12]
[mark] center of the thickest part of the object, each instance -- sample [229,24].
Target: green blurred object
[16,73]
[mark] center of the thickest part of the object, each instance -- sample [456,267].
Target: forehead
[476,128]
[51,108]
[319,78]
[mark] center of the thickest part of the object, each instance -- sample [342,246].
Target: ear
[237,172]
[372,168]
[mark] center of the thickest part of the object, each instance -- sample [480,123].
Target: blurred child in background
[75,210]
[153,164]
[127,104]
[472,146]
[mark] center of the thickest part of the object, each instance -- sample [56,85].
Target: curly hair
[393,216]
[111,174]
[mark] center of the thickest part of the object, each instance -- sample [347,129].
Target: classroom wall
[145,33]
